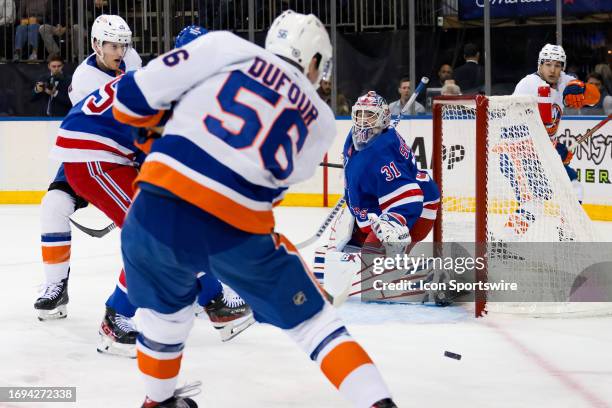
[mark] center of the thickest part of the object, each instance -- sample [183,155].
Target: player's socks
[160,351]
[55,248]
[343,361]
[119,301]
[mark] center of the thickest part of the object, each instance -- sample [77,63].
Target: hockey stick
[96,233]
[332,165]
[590,133]
[324,225]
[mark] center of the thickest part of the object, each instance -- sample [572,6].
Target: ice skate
[229,314]
[385,403]
[117,335]
[51,305]
[180,399]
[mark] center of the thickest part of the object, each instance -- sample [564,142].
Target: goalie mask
[370,116]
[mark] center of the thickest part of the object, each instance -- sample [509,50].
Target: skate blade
[59,312]
[234,328]
[108,346]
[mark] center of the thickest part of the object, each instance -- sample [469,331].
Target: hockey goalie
[391,204]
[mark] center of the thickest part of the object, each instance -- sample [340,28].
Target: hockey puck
[452,355]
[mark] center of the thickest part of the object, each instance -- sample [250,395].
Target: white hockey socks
[343,361]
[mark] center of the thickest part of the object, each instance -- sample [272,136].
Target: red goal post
[481,104]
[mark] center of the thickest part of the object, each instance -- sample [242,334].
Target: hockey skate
[229,314]
[180,399]
[385,403]
[52,303]
[117,335]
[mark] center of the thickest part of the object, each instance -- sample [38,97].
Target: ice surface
[506,361]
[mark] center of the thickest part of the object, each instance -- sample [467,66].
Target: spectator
[450,88]
[606,73]
[53,89]
[597,109]
[325,91]
[445,72]
[405,91]
[470,76]
[31,12]
[52,27]
[7,18]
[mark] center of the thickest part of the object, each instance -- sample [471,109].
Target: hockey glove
[144,137]
[578,94]
[573,94]
[391,231]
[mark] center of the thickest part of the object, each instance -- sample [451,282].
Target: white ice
[506,361]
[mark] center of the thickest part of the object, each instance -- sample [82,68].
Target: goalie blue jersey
[384,177]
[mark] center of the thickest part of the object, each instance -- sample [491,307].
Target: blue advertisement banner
[474,9]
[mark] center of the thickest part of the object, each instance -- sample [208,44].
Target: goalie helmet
[298,38]
[552,52]
[110,28]
[188,34]
[370,116]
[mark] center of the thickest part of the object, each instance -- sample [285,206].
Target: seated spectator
[470,76]
[597,109]
[445,72]
[52,28]
[7,18]
[606,73]
[405,91]
[52,89]
[31,12]
[325,91]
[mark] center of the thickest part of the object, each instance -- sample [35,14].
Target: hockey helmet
[299,38]
[110,28]
[552,52]
[188,34]
[370,116]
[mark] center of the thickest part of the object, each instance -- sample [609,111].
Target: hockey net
[503,188]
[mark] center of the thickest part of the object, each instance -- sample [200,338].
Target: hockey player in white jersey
[247,123]
[111,40]
[565,91]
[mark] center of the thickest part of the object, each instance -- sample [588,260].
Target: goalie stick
[96,233]
[324,225]
[590,133]
[340,203]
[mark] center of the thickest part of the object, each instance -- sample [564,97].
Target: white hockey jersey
[245,126]
[530,84]
[88,76]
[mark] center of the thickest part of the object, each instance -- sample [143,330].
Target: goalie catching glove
[577,94]
[391,231]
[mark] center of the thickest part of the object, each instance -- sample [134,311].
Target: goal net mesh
[533,221]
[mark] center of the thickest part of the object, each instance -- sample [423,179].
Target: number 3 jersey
[245,126]
[90,132]
[383,177]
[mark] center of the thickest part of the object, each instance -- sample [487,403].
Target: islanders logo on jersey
[552,128]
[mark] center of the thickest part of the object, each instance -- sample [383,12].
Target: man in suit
[470,76]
